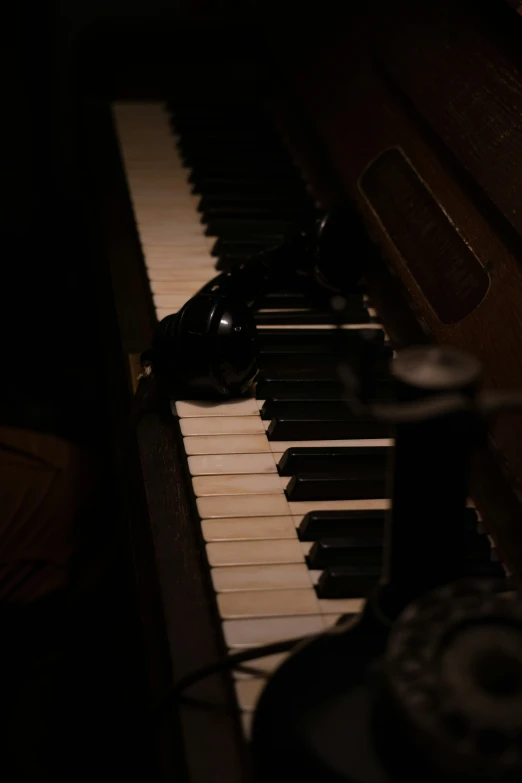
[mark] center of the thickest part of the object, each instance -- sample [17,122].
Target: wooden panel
[453,60]
[449,274]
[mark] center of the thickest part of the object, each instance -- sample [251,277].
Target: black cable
[230,662]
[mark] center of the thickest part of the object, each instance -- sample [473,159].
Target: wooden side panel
[457,68]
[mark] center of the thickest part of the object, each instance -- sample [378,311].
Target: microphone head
[341,249]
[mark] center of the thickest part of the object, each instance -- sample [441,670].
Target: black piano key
[197,177]
[335,524]
[246,245]
[360,316]
[241,172]
[322,388]
[308,371]
[377,362]
[296,215]
[306,409]
[238,125]
[357,581]
[283,406]
[299,363]
[286,428]
[363,462]
[203,157]
[348,581]
[208,185]
[234,199]
[352,341]
[349,550]
[285,299]
[346,551]
[240,228]
[321,367]
[217,127]
[216,143]
[334,486]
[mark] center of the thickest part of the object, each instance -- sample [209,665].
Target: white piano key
[243,506]
[221,425]
[186,286]
[248,692]
[243,407]
[196,277]
[172,302]
[342,605]
[171,234]
[267,603]
[303,507]
[189,287]
[330,620]
[283,445]
[247,528]
[231,464]
[192,252]
[246,484]
[247,723]
[239,553]
[188,265]
[226,444]
[261,577]
[250,633]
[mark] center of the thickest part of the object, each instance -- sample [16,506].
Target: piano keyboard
[291,495]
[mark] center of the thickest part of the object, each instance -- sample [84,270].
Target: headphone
[208,348]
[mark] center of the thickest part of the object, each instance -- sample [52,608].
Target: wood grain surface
[463,73]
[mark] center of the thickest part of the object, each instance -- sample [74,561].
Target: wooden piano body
[410,111]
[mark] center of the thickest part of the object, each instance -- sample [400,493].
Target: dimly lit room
[261,399]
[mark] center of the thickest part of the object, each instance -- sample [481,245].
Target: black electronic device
[208,348]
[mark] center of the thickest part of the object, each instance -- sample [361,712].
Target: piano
[260,519]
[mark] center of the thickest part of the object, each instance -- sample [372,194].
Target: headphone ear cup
[208,349]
